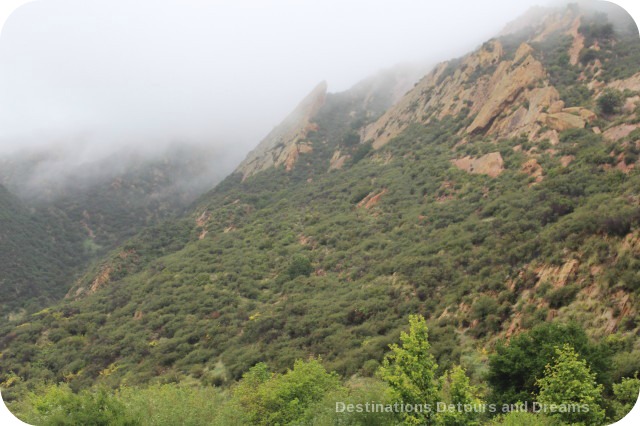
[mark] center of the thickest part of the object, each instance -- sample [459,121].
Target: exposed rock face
[505,97]
[520,82]
[490,164]
[558,276]
[506,85]
[632,83]
[511,98]
[443,89]
[292,154]
[524,120]
[562,121]
[619,132]
[102,278]
[578,42]
[565,160]
[337,160]
[366,100]
[533,169]
[372,199]
[286,142]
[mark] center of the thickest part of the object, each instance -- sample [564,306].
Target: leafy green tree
[264,398]
[569,381]
[410,370]
[457,391]
[515,367]
[524,418]
[172,403]
[58,405]
[357,391]
[626,395]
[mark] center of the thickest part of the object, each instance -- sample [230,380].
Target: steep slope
[500,192]
[287,141]
[324,121]
[39,251]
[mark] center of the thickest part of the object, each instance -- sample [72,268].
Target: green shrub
[263,398]
[299,266]
[610,101]
[569,381]
[58,405]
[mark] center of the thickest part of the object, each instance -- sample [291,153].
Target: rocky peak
[287,141]
[504,94]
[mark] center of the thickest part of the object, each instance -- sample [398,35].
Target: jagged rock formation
[490,164]
[507,97]
[287,141]
[519,81]
[362,103]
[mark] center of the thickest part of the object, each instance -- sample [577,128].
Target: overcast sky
[217,71]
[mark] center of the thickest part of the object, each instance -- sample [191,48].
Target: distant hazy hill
[39,250]
[70,213]
[114,197]
[500,192]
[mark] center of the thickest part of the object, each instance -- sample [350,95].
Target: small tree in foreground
[265,398]
[410,371]
[626,395]
[458,391]
[570,383]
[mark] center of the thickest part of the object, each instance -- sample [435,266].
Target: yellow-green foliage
[626,395]
[171,404]
[57,405]
[410,370]
[457,390]
[265,398]
[524,418]
[569,381]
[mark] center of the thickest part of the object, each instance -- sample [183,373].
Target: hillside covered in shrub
[495,204]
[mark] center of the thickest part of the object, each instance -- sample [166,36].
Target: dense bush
[515,367]
[610,101]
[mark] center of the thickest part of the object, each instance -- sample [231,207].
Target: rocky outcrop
[510,80]
[292,154]
[490,164]
[507,99]
[562,121]
[632,83]
[525,120]
[533,169]
[337,160]
[372,199]
[619,132]
[444,91]
[284,144]
[558,276]
[103,278]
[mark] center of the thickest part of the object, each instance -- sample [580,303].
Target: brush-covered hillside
[66,213]
[40,250]
[498,198]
